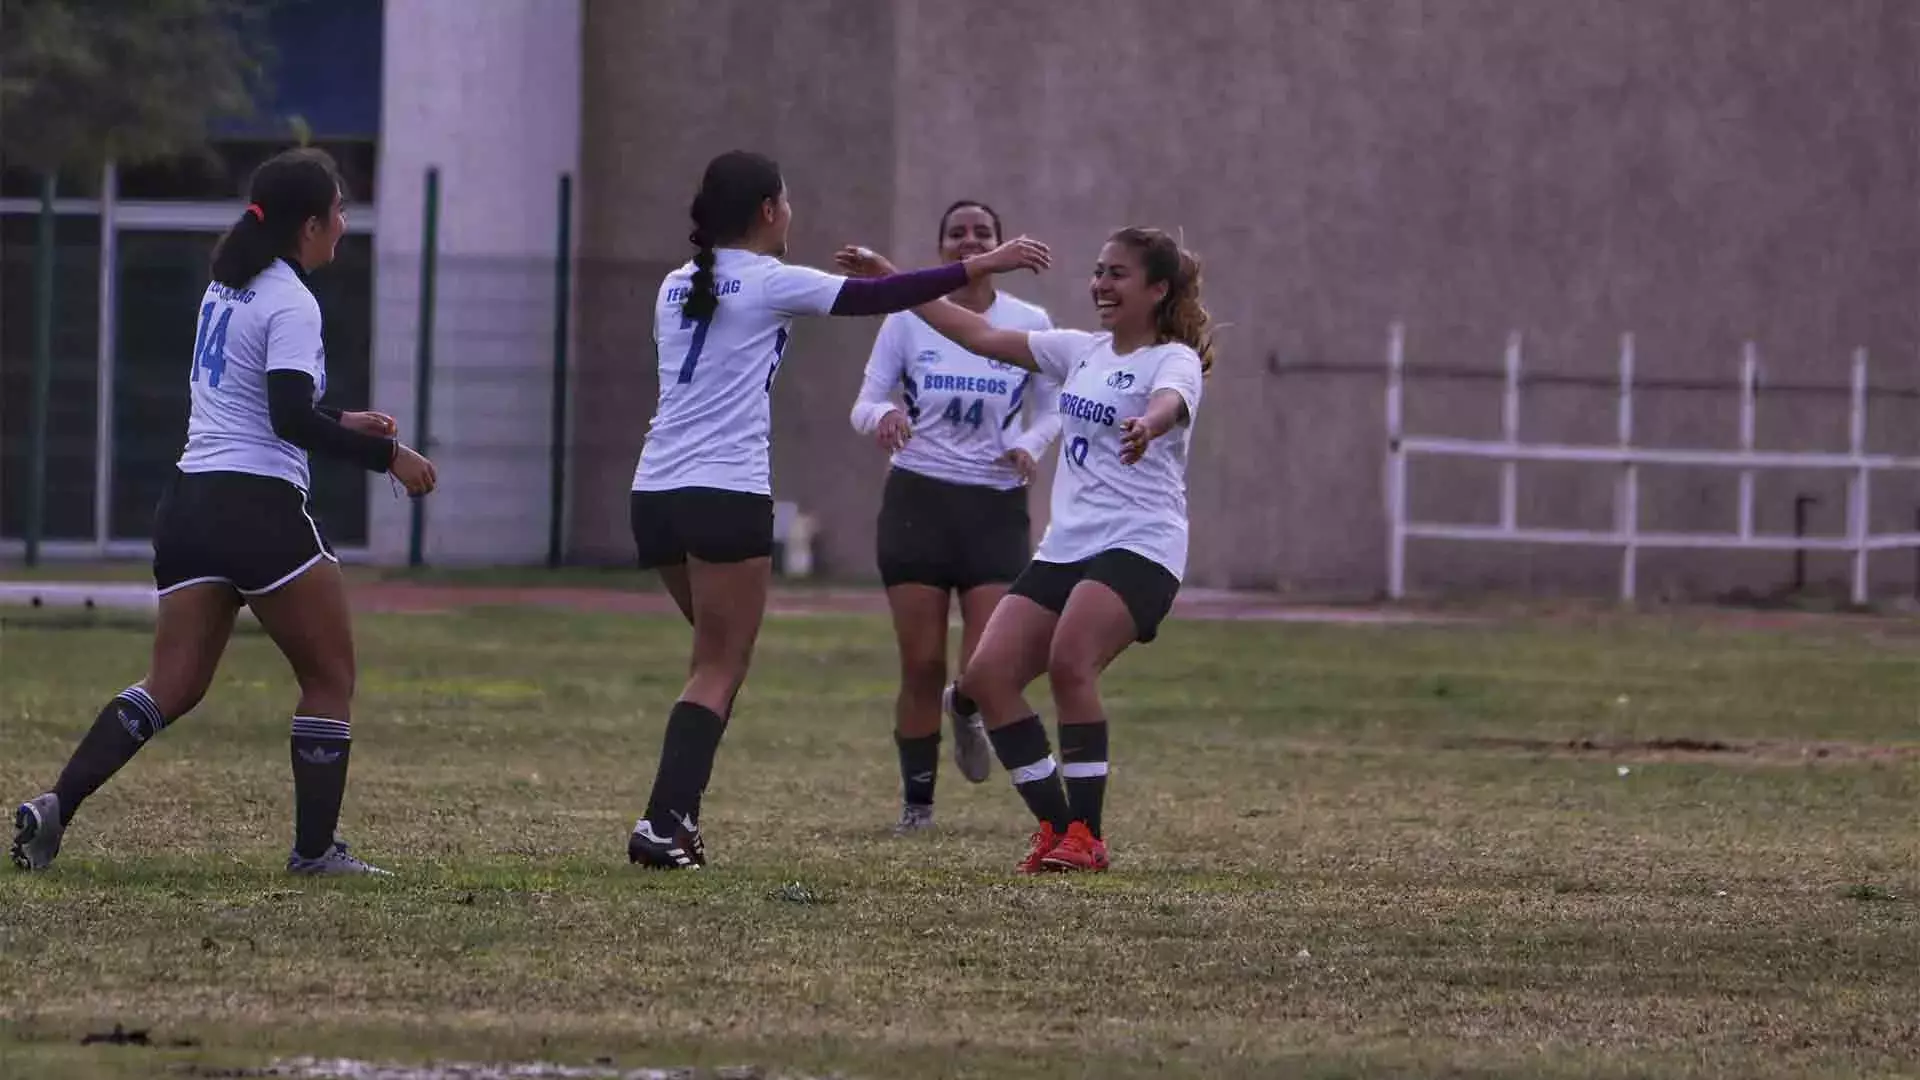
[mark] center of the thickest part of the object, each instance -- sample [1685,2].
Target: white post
[1627,492]
[1510,430]
[1749,383]
[1860,492]
[1396,467]
[109,317]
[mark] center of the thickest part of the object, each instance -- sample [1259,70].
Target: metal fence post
[423,368]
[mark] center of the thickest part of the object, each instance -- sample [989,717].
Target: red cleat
[1078,850]
[1043,842]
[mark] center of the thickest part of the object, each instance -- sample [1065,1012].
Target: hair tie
[258,214]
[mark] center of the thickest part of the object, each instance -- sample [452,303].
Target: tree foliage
[134,80]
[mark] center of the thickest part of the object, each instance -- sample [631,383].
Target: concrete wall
[490,93]
[1701,174]
[667,86]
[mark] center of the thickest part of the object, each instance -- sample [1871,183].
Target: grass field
[1565,847]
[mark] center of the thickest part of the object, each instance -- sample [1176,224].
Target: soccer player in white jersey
[953,514]
[233,525]
[1110,564]
[702,504]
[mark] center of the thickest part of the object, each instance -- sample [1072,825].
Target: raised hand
[856,261]
[1019,253]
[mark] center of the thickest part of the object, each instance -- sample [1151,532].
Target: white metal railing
[1623,455]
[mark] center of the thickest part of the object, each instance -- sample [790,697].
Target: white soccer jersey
[964,408]
[271,325]
[716,376]
[1098,502]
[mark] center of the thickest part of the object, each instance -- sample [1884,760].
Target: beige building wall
[1701,174]
[488,94]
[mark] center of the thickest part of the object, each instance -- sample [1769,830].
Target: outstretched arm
[1164,409]
[1176,393]
[876,288]
[976,335]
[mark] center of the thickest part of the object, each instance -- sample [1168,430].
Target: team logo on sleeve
[1120,380]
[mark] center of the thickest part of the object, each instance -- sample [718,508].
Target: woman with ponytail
[1110,563]
[233,525]
[965,434]
[702,504]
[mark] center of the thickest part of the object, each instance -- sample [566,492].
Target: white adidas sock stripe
[320,727]
[1039,770]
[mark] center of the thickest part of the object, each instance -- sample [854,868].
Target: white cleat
[972,751]
[335,863]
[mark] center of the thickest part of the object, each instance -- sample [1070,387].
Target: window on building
[71,405]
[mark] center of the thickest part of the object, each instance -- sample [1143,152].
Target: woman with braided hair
[702,503]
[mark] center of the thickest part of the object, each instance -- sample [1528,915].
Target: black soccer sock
[693,808]
[1083,762]
[320,749]
[118,733]
[1023,750]
[686,763]
[919,767]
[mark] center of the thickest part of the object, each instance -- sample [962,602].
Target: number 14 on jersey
[210,347]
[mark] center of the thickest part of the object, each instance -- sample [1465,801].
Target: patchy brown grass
[1340,851]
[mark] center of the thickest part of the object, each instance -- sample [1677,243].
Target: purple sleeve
[898,292]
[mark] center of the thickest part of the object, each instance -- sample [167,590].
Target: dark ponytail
[702,301]
[286,192]
[734,187]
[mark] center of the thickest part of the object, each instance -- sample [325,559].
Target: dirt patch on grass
[1685,748]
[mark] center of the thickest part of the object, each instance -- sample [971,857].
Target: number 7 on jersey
[699,327]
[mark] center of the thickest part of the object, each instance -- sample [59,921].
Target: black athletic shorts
[252,532]
[950,536]
[1145,586]
[709,524]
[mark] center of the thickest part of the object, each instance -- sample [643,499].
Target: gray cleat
[37,829]
[335,863]
[972,752]
[913,818]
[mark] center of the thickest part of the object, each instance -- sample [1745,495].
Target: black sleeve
[295,418]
